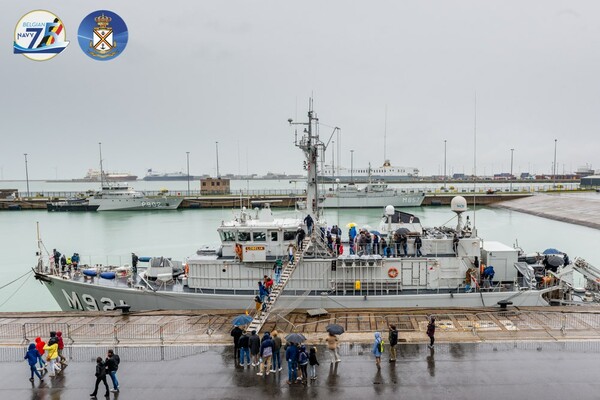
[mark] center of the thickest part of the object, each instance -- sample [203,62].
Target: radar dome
[458,204]
[389,210]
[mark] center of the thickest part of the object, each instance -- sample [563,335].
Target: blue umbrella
[552,251]
[241,320]
[375,233]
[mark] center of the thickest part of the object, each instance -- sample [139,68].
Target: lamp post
[511,168]
[445,164]
[26,174]
[217,146]
[554,166]
[351,166]
[187,154]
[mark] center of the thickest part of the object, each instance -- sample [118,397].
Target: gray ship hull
[73,295]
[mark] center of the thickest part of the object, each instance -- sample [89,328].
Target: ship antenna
[475,167]
[101,169]
[385,135]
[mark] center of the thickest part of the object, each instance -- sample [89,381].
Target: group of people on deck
[65,263]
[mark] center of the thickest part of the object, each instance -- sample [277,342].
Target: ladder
[286,273]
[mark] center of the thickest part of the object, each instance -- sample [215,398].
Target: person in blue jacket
[291,355]
[378,349]
[32,356]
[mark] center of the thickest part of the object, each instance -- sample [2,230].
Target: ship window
[244,236]
[289,235]
[274,236]
[259,236]
[228,236]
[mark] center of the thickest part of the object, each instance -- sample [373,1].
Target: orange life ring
[392,272]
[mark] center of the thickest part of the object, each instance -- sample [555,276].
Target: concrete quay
[560,207]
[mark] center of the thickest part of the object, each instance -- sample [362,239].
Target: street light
[351,166]
[554,166]
[187,153]
[511,168]
[445,164]
[26,174]
[217,146]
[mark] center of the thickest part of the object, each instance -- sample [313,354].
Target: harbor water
[110,237]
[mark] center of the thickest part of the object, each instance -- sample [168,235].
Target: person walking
[112,365]
[378,349]
[52,348]
[61,346]
[308,220]
[313,362]
[243,344]
[39,345]
[277,270]
[418,245]
[431,331]
[32,356]
[266,353]
[291,355]
[236,334]
[332,344]
[393,339]
[100,377]
[300,235]
[254,344]
[303,363]
[276,352]
[291,251]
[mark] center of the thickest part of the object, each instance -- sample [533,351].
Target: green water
[110,237]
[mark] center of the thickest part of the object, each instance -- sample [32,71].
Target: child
[100,377]
[32,356]
[312,360]
[303,362]
[52,357]
[378,349]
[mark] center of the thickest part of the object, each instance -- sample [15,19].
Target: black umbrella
[402,231]
[555,261]
[335,329]
[295,338]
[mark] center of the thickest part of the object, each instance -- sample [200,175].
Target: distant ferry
[384,173]
[93,175]
[169,176]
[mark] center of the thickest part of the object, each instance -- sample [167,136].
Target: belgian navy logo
[40,35]
[102,35]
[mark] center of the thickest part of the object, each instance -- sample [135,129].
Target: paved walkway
[517,370]
[574,209]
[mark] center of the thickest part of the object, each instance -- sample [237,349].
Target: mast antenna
[385,136]
[101,169]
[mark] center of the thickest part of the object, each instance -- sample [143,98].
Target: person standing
[418,244]
[75,261]
[455,244]
[393,338]
[404,244]
[236,333]
[100,377]
[63,263]
[313,362]
[303,363]
[56,254]
[32,357]
[291,355]
[244,344]
[112,365]
[378,349]
[266,353]
[134,262]
[309,224]
[276,352]
[254,344]
[431,331]
[332,344]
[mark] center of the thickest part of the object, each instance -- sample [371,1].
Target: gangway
[288,269]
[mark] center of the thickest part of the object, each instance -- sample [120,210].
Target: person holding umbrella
[332,344]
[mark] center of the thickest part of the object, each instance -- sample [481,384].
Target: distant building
[459,176]
[590,181]
[215,186]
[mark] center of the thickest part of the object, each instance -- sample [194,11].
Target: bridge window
[289,235]
[228,236]
[259,236]
[274,236]
[244,236]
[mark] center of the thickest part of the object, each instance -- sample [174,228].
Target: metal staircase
[286,273]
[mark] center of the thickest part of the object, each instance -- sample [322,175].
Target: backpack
[303,358]
[380,346]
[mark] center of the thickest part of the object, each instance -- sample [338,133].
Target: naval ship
[446,273]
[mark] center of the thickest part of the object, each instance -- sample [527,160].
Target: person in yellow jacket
[52,354]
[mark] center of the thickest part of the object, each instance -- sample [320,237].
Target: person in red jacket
[39,345]
[61,346]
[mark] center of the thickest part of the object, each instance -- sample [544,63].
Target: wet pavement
[544,370]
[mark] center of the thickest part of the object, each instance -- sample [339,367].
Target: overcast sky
[196,72]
